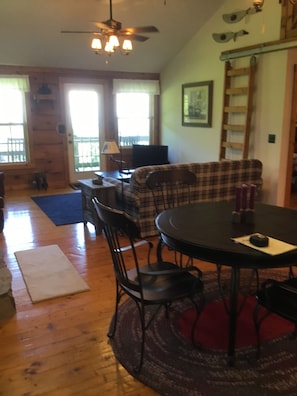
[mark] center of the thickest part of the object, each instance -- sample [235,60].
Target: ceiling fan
[112,28]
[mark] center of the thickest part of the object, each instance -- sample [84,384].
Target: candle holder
[249,216]
[236,217]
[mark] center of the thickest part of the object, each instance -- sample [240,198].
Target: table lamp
[110,148]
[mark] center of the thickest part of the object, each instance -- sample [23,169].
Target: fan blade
[141,29]
[80,31]
[102,25]
[135,37]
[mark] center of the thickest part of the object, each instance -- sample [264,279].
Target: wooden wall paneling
[18,179]
[44,122]
[50,106]
[50,159]
[48,148]
[47,136]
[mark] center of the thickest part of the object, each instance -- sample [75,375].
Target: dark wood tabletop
[205,231]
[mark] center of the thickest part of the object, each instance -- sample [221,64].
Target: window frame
[150,117]
[150,87]
[21,83]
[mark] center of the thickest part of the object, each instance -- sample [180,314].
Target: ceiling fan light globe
[127,46]
[108,48]
[114,41]
[96,44]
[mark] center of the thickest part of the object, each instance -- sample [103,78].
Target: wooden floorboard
[60,347]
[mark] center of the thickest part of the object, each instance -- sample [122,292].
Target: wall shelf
[39,98]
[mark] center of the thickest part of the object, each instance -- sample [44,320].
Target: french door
[84,126]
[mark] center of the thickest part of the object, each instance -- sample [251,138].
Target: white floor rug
[48,273]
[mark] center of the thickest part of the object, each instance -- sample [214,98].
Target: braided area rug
[172,366]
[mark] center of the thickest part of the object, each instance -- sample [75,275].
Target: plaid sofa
[215,181]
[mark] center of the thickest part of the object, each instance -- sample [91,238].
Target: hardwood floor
[59,347]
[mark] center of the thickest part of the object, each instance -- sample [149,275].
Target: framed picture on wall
[197,104]
[289,19]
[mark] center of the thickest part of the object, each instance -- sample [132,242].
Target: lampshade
[110,148]
[96,44]
[127,46]
[114,41]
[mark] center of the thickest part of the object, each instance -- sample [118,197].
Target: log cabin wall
[46,118]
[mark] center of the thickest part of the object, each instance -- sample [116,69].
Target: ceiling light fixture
[111,37]
[110,44]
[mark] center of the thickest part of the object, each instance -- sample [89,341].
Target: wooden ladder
[237,109]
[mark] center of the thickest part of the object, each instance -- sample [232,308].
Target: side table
[104,192]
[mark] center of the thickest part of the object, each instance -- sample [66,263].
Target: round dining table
[206,231]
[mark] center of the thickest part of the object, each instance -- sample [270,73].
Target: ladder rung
[235,109]
[239,128]
[238,72]
[233,145]
[237,91]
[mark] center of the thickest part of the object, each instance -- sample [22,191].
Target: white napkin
[274,247]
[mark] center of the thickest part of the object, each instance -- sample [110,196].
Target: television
[143,155]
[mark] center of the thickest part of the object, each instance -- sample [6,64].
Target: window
[13,125]
[134,117]
[135,110]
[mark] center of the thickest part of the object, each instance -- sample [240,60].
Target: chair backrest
[170,188]
[118,227]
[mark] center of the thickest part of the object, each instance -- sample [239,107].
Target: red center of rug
[213,326]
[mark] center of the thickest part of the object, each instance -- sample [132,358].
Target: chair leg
[144,326]
[198,312]
[112,331]
[159,250]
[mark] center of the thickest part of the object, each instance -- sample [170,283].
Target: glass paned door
[84,111]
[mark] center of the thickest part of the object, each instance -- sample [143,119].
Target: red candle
[237,198]
[244,197]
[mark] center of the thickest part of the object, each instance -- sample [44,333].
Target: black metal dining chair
[170,189]
[157,284]
[279,297]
